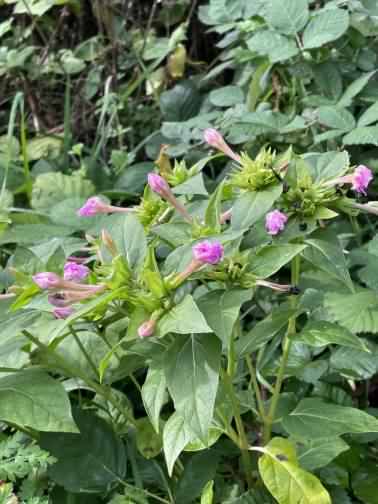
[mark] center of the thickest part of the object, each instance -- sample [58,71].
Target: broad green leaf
[365,484]
[354,89]
[184,318]
[31,398]
[328,257]
[336,117]
[263,331]
[194,185]
[320,452]
[130,239]
[181,102]
[370,116]
[320,333]
[154,393]
[353,364]
[251,206]
[315,419]
[192,373]
[362,136]
[357,312]
[325,26]
[207,495]
[270,43]
[176,436]
[330,165]
[221,309]
[41,147]
[226,96]
[289,20]
[148,441]
[6,26]
[272,258]
[91,461]
[286,481]
[199,470]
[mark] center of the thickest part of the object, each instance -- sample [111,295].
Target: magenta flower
[361,178]
[208,252]
[216,140]
[92,207]
[47,280]
[275,222]
[147,328]
[75,272]
[158,184]
[58,300]
[63,312]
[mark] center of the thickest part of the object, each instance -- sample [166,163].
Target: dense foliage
[188,208]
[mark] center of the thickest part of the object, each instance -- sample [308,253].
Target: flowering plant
[184,294]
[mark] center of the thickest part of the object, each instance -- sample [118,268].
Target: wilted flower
[208,252]
[216,140]
[63,312]
[275,222]
[75,272]
[147,328]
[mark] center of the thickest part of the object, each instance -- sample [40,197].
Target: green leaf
[263,332]
[31,398]
[91,461]
[207,495]
[213,210]
[353,364]
[270,259]
[148,442]
[362,136]
[6,26]
[270,43]
[330,165]
[358,312]
[354,89]
[221,309]
[194,185]
[227,96]
[251,206]
[325,26]
[154,393]
[176,436]
[369,116]
[328,257]
[181,102]
[192,372]
[365,484]
[336,117]
[320,333]
[320,452]
[286,481]
[130,239]
[315,419]
[198,471]
[184,318]
[289,20]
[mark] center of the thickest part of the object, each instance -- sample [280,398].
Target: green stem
[269,419]
[84,351]
[243,441]
[256,388]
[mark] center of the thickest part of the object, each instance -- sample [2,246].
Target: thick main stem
[269,419]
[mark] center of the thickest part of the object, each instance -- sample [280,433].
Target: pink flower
[75,272]
[208,252]
[47,280]
[361,178]
[92,207]
[58,300]
[275,222]
[216,140]
[63,313]
[147,328]
[158,184]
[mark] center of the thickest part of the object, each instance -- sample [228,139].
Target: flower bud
[147,328]
[92,207]
[75,272]
[275,222]
[158,184]
[216,140]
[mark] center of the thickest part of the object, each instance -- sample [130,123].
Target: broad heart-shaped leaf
[184,318]
[286,481]
[221,309]
[251,206]
[320,452]
[130,239]
[192,372]
[289,20]
[328,257]
[315,419]
[365,484]
[325,26]
[320,333]
[270,259]
[154,393]
[31,398]
[328,165]
[355,364]
[176,436]
[357,312]
[91,461]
